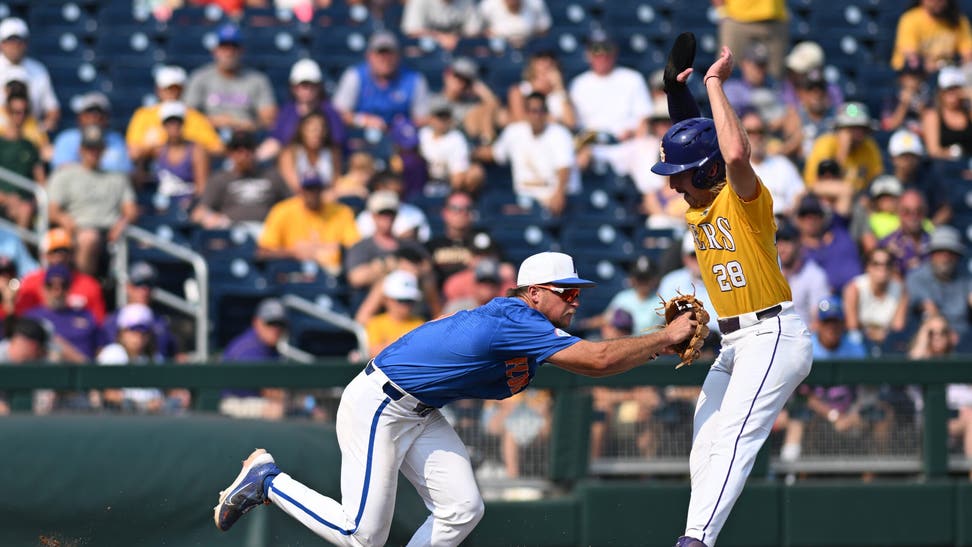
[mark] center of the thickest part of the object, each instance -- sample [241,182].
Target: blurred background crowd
[348,170]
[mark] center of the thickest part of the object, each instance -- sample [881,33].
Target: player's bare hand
[722,67]
[683,76]
[681,328]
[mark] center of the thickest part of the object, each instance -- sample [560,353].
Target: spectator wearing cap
[307,95]
[942,285]
[309,226]
[542,74]
[20,155]
[142,278]
[851,145]
[257,344]
[242,193]
[452,251]
[639,299]
[825,239]
[936,33]
[473,105]
[134,344]
[13,54]
[904,105]
[687,280]
[92,109]
[446,21]
[611,101]
[446,153]
[233,97]
[57,248]
[744,22]
[311,153]
[515,21]
[876,302]
[811,115]
[409,216]
[910,165]
[488,284]
[776,171]
[947,127]
[181,167]
[146,135]
[879,218]
[805,59]
[754,88]
[401,292]
[92,204]
[371,94]
[541,157]
[75,329]
[808,281]
[368,261]
[27,343]
[907,244]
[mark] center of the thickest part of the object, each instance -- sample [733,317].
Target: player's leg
[771,360]
[438,465]
[707,414]
[374,435]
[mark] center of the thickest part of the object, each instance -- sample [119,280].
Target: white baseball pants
[758,368]
[379,437]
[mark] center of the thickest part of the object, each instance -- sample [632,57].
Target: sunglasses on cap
[568,295]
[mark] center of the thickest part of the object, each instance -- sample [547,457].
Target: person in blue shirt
[92,109]
[389,420]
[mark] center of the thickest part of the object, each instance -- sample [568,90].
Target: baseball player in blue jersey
[389,420]
[766,350]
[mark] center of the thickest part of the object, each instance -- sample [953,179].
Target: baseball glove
[689,349]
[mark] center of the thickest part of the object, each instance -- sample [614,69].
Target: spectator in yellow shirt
[401,292]
[851,145]
[309,226]
[934,31]
[146,135]
[743,22]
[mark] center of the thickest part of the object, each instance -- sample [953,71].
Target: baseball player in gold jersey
[766,349]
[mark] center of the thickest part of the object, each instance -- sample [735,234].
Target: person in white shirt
[13,51]
[514,20]
[446,21]
[541,156]
[446,153]
[777,172]
[611,101]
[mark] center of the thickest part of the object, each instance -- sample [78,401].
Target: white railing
[338,320]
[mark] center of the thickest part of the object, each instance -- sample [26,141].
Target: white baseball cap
[905,142]
[169,76]
[886,185]
[804,57]
[950,76]
[172,109]
[401,285]
[135,316]
[13,26]
[305,70]
[550,267]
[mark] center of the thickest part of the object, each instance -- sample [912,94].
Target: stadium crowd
[398,166]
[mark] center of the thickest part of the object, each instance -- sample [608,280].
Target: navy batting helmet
[692,144]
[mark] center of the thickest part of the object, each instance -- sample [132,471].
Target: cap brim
[573,282]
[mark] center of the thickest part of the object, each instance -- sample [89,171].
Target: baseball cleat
[246,492]
[686,541]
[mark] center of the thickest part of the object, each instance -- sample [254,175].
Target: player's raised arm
[733,142]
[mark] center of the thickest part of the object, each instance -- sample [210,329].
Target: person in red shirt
[84,291]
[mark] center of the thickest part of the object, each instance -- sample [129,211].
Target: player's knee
[468,513]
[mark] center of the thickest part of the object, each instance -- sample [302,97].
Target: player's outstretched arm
[617,355]
[733,142]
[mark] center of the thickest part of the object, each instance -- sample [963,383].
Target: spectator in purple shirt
[826,240]
[142,277]
[258,343]
[907,244]
[75,329]
[307,90]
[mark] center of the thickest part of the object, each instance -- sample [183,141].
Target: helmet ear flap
[710,173]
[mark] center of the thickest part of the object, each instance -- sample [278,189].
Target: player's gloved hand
[683,306]
[680,59]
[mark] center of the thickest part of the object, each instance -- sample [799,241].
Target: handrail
[304,305]
[199,308]
[43,222]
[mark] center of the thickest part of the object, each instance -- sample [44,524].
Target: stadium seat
[341,15]
[610,280]
[338,46]
[129,46]
[235,290]
[271,46]
[521,241]
[66,16]
[186,17]
[597,241]
[654,242]
[597,206]
[224,245]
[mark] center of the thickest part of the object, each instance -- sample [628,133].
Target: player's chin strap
[681,103]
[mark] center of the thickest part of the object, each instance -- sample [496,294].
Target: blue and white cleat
[246,492]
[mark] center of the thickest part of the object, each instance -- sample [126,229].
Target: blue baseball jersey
[490,352]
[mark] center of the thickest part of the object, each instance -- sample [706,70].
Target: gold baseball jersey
[735,243]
